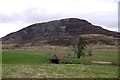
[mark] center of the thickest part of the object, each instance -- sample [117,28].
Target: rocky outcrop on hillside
[57,32]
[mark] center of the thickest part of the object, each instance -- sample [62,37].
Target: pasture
[59,71]
[32,63]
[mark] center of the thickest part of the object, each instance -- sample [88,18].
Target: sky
[17,14]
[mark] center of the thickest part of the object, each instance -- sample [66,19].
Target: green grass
[111,54]
[42,56]
[45,51]
[104,56]
[30,64]
[89,60]
[59,71]
[23,57]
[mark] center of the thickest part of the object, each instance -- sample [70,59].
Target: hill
[61,32]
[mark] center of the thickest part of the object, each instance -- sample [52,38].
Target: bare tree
[89,49]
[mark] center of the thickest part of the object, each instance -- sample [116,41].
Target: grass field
[37,57]
[59,71]
[30,63]
[105,56]
[23,57]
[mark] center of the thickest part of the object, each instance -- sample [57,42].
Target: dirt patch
[101,62]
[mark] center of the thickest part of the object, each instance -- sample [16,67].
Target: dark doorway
[55,61]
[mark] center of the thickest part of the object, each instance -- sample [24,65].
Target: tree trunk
[78,56]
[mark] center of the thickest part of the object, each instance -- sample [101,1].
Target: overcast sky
[17,14]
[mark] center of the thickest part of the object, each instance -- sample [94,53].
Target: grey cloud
[33,15]
[109,20]
[30,15]
[11,18]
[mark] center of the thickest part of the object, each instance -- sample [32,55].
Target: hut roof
[59,56]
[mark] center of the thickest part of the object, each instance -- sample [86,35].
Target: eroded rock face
[57,29]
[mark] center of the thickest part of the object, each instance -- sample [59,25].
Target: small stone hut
[56,59]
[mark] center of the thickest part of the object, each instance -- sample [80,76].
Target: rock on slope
[57,32]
